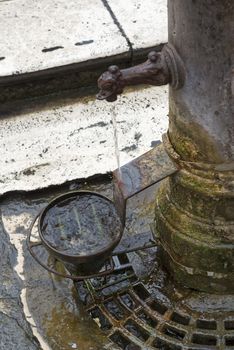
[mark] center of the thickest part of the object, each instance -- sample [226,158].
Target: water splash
[116,140]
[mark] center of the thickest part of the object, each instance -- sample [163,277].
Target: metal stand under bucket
[84,265]
[80,267]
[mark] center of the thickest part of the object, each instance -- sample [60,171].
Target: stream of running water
[116,139]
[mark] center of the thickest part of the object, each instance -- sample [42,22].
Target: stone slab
[75,140]
[143,21]
[15,332]
[39,35]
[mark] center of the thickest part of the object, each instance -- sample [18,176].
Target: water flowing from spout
[116,140]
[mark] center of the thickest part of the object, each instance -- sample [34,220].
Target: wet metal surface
[150,313]
[82,224]
[140,173]
[80,229]
[161,68]
[144,171]
[154,71]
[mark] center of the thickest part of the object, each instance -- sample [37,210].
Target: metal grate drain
[127,311]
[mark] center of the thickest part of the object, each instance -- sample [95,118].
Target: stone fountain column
[195,206]
[194,215]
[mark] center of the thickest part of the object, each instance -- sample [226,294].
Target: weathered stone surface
[75,140]
[39,35]
[144,22]
[45,34]
[15,332]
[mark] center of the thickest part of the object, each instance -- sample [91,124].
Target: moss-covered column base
[195,223]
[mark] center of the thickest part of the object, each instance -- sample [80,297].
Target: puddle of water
[81,225]
[58,317]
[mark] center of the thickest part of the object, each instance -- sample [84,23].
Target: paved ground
[41,35]
[75,139]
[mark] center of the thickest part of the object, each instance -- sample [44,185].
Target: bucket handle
[31,245]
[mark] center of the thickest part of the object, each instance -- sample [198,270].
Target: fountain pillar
[194,215]
[195,206]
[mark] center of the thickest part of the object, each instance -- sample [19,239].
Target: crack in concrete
[118,24]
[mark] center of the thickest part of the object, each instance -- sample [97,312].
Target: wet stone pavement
[41,311]
[44,308]
[32,300]
[15,332]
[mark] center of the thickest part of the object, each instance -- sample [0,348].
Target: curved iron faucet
[161,68]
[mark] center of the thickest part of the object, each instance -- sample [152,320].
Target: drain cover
[138,314]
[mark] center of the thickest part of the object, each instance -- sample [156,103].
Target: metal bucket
[85,265]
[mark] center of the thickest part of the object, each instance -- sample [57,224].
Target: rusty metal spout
[161,68]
